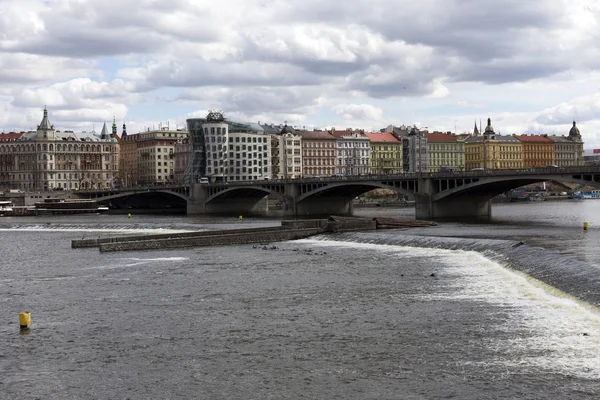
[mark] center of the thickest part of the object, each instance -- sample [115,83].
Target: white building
[353,152]
[249,156]
[47,159]
[286,154]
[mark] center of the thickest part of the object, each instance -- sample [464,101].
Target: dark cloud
[201,73]
[252,101]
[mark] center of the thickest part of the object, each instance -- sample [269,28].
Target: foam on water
[134,261]
[546,328]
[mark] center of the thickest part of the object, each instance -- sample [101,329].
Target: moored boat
[69,206]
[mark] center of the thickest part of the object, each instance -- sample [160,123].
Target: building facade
[386,153]
[538,150]
[445,152]
[7,158]
[414,152]
[147,157]
[249,157]
[493,151]
[212,151]
[353,152]
[47,159]
[568,150]
[286,154]
[318,153]
[182,152]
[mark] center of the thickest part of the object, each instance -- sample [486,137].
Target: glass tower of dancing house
[225,150]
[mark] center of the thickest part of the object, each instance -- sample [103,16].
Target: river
[503,309]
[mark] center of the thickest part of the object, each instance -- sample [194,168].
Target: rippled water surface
[463,310]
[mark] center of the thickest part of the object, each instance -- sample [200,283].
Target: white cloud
[358,112]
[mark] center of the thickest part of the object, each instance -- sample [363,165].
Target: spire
[124,133]
[114,128]
[475,131]
[45,124]
[104,132]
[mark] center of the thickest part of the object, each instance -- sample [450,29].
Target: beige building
[47,159]
[568,150]
[147,157]
[445,152]
[318,153]
[386,153]
[493,151]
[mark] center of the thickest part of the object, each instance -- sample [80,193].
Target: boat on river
[6,207]
[69,206]
[593,194]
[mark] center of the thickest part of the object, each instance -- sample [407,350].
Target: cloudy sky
[530,65]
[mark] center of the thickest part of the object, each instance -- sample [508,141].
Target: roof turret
[45,124]
[489,129]
[574,132]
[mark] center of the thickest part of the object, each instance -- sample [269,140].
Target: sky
[532,66]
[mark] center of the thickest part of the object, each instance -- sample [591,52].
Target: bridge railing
[369,177]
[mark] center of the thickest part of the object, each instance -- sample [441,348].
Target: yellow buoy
[129,215]
[241,218]
[585,225]
[24,319]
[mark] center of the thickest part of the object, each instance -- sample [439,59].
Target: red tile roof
[440,138]
[315,135]
[381,137]
[10,136]
[339,134]
[534,139]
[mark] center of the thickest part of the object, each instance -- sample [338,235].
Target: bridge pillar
[329,205]
[322,206]
[197,203]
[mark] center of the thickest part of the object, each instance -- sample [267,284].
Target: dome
[574,130]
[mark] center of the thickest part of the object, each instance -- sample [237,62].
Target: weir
[289,230]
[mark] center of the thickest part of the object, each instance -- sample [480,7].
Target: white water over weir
[289,230]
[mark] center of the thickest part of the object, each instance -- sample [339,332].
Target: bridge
[436,195]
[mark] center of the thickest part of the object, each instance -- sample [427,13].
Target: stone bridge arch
[240,191]
[495,185]
[352,190]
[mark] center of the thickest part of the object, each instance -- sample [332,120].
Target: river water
[504,309]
